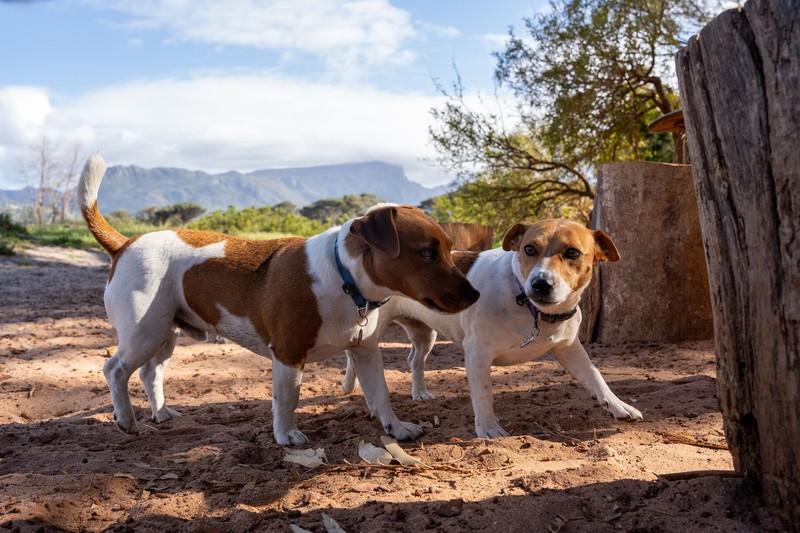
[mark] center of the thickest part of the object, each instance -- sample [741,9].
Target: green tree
[332,211]
[586,79]
[171,215]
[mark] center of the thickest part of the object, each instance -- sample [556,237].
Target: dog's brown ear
[378,229]
[513,236]
[604,248]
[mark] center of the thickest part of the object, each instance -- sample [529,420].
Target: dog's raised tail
[88,186]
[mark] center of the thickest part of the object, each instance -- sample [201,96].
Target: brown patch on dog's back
[265,281]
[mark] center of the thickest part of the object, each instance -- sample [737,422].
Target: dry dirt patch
[567,467]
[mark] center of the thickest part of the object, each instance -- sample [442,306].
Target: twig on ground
[678,438]
[694,474]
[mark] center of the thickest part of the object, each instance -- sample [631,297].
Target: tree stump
[659,290]
[740,88]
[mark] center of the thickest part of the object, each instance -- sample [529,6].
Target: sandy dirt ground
[568,466]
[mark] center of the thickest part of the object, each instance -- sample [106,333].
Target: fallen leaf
[330,524]
[373,455]
[397,452]
[310,458]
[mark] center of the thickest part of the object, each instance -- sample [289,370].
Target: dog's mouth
[543,300]
[430,304]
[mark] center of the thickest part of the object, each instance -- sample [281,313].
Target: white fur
[491,331]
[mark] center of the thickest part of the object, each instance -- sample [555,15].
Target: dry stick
[689,441]
[694,474]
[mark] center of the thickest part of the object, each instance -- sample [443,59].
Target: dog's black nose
[473,294]
[542,286]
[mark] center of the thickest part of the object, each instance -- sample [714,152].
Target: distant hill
[134,188]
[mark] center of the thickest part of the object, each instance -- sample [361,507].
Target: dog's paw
[164,414]
[404,431]
[291,438]
[126,425]
[621,410]
[490,432]
[422,394]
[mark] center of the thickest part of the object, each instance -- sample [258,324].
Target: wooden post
[740,89]
[659,290]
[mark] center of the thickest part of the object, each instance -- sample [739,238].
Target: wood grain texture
[740,88]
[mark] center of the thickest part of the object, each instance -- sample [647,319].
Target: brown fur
[265,281]
[551,238]
[108,237]
[436,281]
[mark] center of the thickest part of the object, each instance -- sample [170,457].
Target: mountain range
[133,188]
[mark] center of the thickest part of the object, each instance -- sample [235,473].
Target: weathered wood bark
[740,88]
[659,290]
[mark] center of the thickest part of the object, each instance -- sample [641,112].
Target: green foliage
[592,73]
[171,215]
[332,211]
[258,220]
[75,234]
[122,216]
[11,234]
[586,79]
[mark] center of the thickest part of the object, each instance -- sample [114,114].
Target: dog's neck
[350,286]
[351,251]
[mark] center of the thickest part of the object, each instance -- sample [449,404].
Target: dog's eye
[429,254]
[530,250]
[572,253]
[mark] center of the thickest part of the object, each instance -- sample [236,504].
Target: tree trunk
[740,87]
[659,289]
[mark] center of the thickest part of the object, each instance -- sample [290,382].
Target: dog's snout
[542,287]
[473,294]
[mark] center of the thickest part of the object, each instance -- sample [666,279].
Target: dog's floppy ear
[378,229]
[513,236]
[604,248]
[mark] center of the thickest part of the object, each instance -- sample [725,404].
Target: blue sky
[241,84]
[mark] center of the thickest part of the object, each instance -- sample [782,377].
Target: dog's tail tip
[88,188]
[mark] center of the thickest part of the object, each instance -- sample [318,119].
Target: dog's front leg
[369,365]
[479,375]
[285,396]
[576,361]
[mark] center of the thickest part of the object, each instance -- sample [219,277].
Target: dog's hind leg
[152,376]
[422,340]
[350,381]
[137,345]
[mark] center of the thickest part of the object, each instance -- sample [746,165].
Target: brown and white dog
[529,305]
[280,298]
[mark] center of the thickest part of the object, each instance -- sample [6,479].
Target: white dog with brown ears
[294,300]
[529,305]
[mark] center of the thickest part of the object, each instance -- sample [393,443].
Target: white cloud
[343,33]
[448,32]
[23,111]
[231,122]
